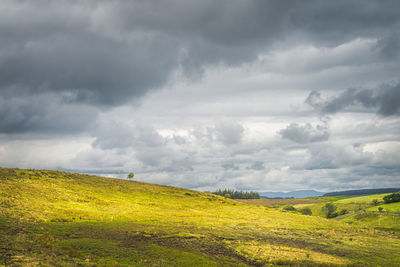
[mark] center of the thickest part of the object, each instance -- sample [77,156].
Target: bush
[332,215]
[380,209]
[306,211]
[394,197]
[375,202]
[329,210]
[342,212]
[289,208]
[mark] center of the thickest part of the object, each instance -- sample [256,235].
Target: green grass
[350,204]
[361,200]
[391,207]
[289,201]
[383,221]
[51,218]
[361,211]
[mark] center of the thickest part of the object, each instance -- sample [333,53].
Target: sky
[248,95]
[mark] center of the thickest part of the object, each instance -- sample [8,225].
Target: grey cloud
[101,70]
[44,113]
[229,132]
[115,135]
[333,22]
[257,166]
[389,46]
[335,157]
[113,51]
[69,67]
[304,134]
[179,140]
[385,100]
[180,165]
[230,166]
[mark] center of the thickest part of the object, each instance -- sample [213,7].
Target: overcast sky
[251,95]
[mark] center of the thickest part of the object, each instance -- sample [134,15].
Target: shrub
[394,197]
[289,208]
[375,202]
[306,211]
[130,175]
[332,215]
[342,212]
[380,209]
[329,210]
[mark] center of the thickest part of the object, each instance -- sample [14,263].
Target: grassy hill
[360,211]
[51,218]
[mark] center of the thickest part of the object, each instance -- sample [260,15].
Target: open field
[391,207]
[267,202]
[360,211]
[51,218]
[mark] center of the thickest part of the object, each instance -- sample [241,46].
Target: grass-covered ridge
[53,218]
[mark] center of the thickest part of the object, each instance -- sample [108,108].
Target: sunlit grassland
[361,211]
[392,207]
[361,200]
[53,218]
[270,202]
[350,204]
[387,219]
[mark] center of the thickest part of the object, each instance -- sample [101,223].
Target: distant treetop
[229,193]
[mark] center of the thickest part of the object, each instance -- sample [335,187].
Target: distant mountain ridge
[361,192]
[292,194]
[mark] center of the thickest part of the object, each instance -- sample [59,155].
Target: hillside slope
[52,218]
[361,192]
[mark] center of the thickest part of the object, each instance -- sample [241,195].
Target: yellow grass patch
[282,254]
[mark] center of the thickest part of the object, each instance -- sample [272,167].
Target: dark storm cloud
[385,100]
[389,46]
[304,134]
[108,53]
[112,51]
[47,113]
[333,22]
[101,70]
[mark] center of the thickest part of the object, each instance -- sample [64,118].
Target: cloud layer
[254,95]
[385,100]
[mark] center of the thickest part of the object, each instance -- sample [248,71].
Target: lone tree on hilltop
[130,175]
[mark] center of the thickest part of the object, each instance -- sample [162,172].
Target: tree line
[395,197]
[234,194]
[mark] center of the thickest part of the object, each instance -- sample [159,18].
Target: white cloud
[197,95]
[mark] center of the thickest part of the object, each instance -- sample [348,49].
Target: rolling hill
[53,218]
[361,192]
[292,194]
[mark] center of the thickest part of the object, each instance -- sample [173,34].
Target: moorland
[54,218]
